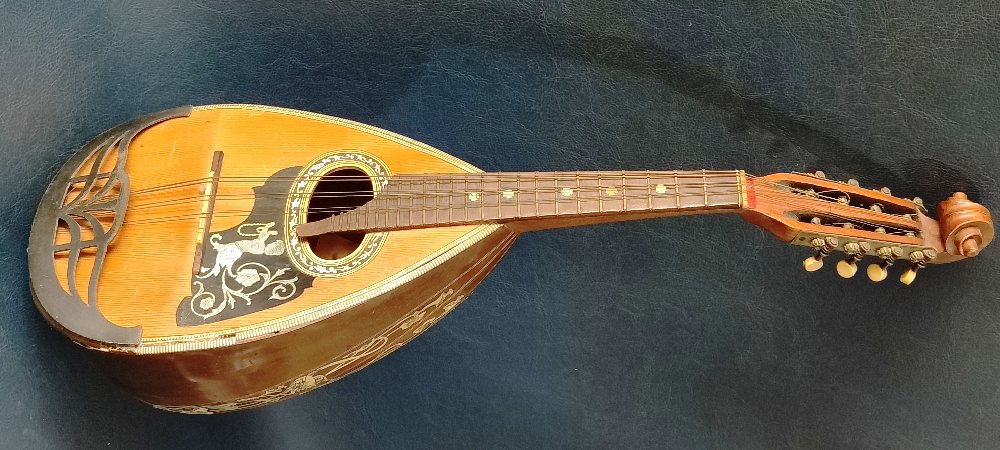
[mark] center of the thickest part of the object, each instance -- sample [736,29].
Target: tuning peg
[820,174]
[885,191]
[880,271]
[848,267]
[853,182]
[855,251]
[813,263]
[919,260]
[823,248]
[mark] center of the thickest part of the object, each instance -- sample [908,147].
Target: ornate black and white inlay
[246,268]
[298,203]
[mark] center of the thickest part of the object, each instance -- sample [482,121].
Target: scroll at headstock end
[966,227]
[809,210]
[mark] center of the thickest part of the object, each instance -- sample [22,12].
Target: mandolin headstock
[832,216]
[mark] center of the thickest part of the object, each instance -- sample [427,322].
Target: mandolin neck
[528,201]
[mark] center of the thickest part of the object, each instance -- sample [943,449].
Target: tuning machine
[918,260]
[880,271]
[855,251]
[823,248]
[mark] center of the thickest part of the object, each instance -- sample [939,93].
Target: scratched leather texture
[678,333]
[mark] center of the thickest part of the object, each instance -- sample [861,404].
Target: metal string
[805,198]
[712,189]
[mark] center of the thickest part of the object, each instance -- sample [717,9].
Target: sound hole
[336,193]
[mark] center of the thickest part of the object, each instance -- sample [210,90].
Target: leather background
[682,333]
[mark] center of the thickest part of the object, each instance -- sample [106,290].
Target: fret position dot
[508,194]
[473,196]
[567,192]
[611,191]
[661,189]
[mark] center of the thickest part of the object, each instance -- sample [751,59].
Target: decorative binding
[95,192]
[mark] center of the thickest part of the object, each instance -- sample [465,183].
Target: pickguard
[246,268]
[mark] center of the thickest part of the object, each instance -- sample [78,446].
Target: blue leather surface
[683,333]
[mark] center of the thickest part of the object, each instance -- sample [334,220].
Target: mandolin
[225,257]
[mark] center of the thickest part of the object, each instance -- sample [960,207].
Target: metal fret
[405,203]
[379,211]
[450,198]
[517,193]
[555,191]
[355,218]
[624,193]
[397,211]
[704,185]
[579,193]
[677,190]
[499,196]
[600,194]
[538,204]
[649,190]
[422,196]
[436,197]
[366,215]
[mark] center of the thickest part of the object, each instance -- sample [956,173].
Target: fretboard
[548,198]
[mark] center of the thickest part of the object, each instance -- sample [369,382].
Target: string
[438,208]
[223,213]
[404,209]
[854,220]
[470,176]
[388,193]
[385,194]
[807,199]
[474,179]
[839,216]
[467,179]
